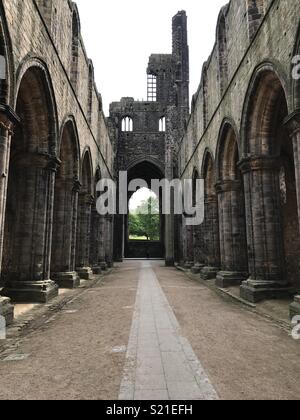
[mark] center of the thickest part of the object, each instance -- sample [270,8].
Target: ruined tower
[146,133]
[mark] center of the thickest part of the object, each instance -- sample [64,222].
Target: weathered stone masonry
[55,145]
[242,136]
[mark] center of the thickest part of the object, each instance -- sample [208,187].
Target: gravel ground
[79,352]
[245,356]
[71,356]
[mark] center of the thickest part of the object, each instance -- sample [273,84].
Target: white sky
[120,35]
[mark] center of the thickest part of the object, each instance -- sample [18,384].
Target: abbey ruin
[241,135]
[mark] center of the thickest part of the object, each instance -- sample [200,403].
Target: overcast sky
[120,35]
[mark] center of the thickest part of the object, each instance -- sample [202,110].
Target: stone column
[109,240]
[233,246]
[264,230]
[293,125]
[7,121]
[211,239]
[29,275]
[97,253]
[65,214]
[188,253]
[83,236]
[198,250]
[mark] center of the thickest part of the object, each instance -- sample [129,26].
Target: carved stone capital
[228,185]
[292,123]
[259,163]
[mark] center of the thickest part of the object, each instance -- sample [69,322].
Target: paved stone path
[161,364]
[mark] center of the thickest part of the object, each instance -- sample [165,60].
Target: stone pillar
[65,223]
[7,121]
[211,239]
[198,250]
[97,253]
[29,274]
[233,246]
[83,236]
[188,254]
[264,230]
[109,220]
[293,125]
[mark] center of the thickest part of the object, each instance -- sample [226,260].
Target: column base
[188,265]
[227,279]
[103,266]
[84,273]
[69,280]
[169,262]
[97,270]
[295,307]
[255,291]
[209,273]
[197,268]
[110,264]
[6,310]
[31,291]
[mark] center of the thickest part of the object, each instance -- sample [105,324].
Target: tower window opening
[162,124]
[152,88]
[127,125]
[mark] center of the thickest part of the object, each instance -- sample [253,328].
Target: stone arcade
[242,137]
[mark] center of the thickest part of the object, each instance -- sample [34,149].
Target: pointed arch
[90,92]
[208,173]
[265,108]
[227,155]
[86,176]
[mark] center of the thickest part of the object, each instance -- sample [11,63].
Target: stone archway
[231,204]
[67,187]
[29,211]
[270,193]
[211,245]
[146,171]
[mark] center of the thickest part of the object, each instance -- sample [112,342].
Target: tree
[145,221]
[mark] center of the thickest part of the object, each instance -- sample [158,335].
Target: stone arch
[231,206]
[65,207]
[208,172]
[222,46]
[268,86]
[32,167]
[35,103]
[6,83]
[86,173]
[227,155]
[270,188]
[75,46]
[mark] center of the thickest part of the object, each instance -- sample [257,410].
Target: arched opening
[28,228]
[65,210]
[144,233]
[211,220]
[162,124]
[85,202]
[231,204]
[75,47]
[270,190]
[127,125]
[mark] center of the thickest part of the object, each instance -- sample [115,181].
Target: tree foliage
[145,220]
